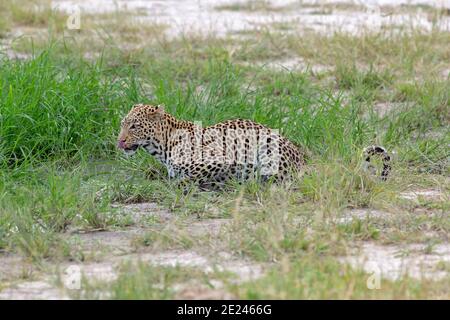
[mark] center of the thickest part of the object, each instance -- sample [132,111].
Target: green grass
[60,114]
[72,114]
[49,113]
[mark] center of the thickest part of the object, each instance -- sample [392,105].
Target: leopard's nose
[121,144]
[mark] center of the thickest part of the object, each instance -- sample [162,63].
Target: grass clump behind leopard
[234,149]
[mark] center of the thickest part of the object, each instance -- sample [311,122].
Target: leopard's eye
[132,127]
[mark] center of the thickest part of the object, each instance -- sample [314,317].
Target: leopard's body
[234,149]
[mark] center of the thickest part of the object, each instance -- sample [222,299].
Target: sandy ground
[395,261]
[47,287]
[108,250]
[205,16]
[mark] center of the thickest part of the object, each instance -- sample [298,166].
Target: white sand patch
[383,108]
[243,269]
[292,64]
[202,16]
[210,227]
[445,73]
[395,261]
[426,194]
[362,214]
[107,270]
[36,290]
[99,272]
[11,54]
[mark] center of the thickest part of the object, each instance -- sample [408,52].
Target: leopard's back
[240,149]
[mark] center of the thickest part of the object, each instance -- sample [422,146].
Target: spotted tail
[379,151]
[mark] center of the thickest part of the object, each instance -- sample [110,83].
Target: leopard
[237,149]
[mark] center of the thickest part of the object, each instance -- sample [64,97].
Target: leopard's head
[141,127]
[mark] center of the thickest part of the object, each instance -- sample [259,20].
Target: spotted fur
[385,157]
[234,149]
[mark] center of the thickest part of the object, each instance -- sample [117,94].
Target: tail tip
[370,151]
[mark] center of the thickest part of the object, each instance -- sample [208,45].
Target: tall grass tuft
[48,112]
